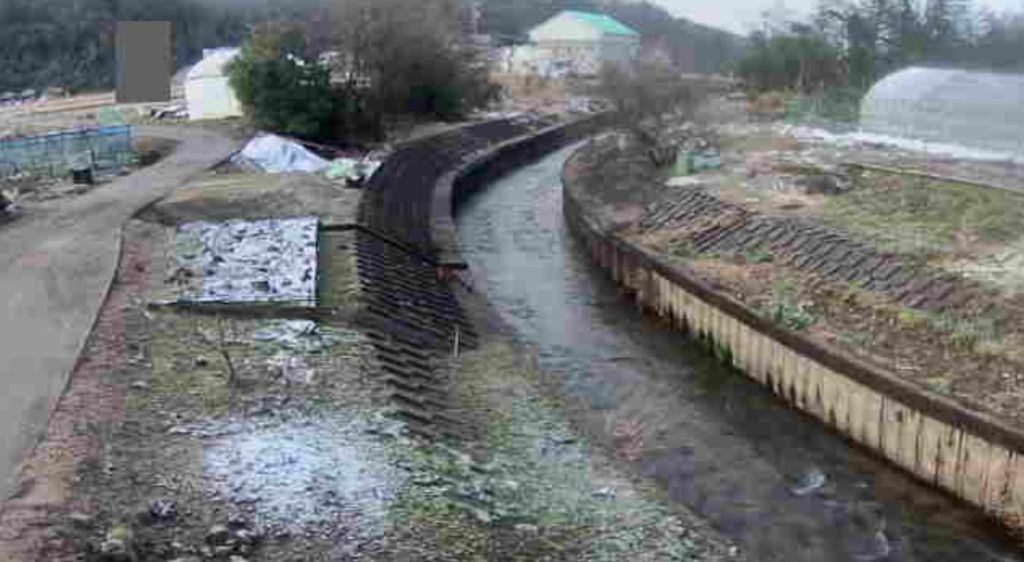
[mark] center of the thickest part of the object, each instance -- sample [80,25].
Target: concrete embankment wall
[971,455]
[457,185]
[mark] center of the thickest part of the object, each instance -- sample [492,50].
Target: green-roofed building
[580,42]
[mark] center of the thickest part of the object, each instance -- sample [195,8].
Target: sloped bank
[971,455]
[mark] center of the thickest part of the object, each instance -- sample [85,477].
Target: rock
[140,385]
[823,184]
[526,528]
[187,559]
[238,521]
[237,558]
[163,510]
[201,361]
[607,493]
[482,516]
[117,546]
[812,480]
[218,534]
[246,536]
[80,519]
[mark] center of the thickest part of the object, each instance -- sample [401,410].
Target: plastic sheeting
[954,107]
[277,155]
[272,260]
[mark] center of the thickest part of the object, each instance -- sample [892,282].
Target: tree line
[850,45]
[70,43]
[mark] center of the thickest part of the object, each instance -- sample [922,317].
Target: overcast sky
[741,16]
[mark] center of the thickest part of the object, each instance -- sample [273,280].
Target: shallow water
[778,483]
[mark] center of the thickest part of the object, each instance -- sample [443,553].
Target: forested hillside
[691,46]
[70,43]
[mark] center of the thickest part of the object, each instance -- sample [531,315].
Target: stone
[80,519]
[218,534]
[117,546]
[163,510]
[812,480]
[482,516]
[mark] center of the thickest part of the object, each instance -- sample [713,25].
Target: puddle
[308,473]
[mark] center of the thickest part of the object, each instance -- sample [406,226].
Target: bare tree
[407,56]
[651,100]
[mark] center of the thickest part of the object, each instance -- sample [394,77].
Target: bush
[281,92]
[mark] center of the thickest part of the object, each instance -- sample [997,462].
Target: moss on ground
[532,490]
[926,217]
[338,286]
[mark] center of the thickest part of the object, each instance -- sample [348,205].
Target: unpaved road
[56,262]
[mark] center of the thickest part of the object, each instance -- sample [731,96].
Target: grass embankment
[532,489]
[928,218]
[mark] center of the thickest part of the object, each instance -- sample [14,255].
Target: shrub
[281,92]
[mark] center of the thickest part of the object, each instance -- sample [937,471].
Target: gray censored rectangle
[144,63]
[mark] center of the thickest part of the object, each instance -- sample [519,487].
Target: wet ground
[775,481]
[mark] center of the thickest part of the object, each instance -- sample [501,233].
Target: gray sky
[741,16]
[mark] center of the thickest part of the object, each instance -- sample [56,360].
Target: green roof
[605,23]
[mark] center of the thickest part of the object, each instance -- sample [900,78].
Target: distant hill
[691,46]
[70,43]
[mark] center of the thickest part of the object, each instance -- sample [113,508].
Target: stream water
[773,480]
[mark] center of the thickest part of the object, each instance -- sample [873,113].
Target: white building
[207,92]
[580,43]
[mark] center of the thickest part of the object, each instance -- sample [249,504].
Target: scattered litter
[684,181]
[176,111]
[272,260]
[694,161]
[302,337]
[354,171]
[276,155]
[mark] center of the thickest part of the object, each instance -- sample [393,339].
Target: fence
[54,154]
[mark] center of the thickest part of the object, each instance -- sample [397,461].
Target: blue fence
[55,154]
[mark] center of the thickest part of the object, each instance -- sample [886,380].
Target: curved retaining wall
[458,184]
[971,455]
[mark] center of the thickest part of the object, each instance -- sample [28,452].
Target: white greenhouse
[207,92]
[972,109]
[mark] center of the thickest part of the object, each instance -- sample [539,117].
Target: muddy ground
[187,434]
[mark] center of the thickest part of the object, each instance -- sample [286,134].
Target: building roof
[603,24]
[213,63]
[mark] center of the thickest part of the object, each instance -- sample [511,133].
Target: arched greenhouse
[974,109]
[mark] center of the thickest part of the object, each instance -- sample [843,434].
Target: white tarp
[273,260]
[276,155]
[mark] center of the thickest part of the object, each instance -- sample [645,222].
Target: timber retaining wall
[969,454]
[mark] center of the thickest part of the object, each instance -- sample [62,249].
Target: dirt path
[55,265]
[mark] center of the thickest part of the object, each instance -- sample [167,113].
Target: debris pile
[273,154]
[273,260]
